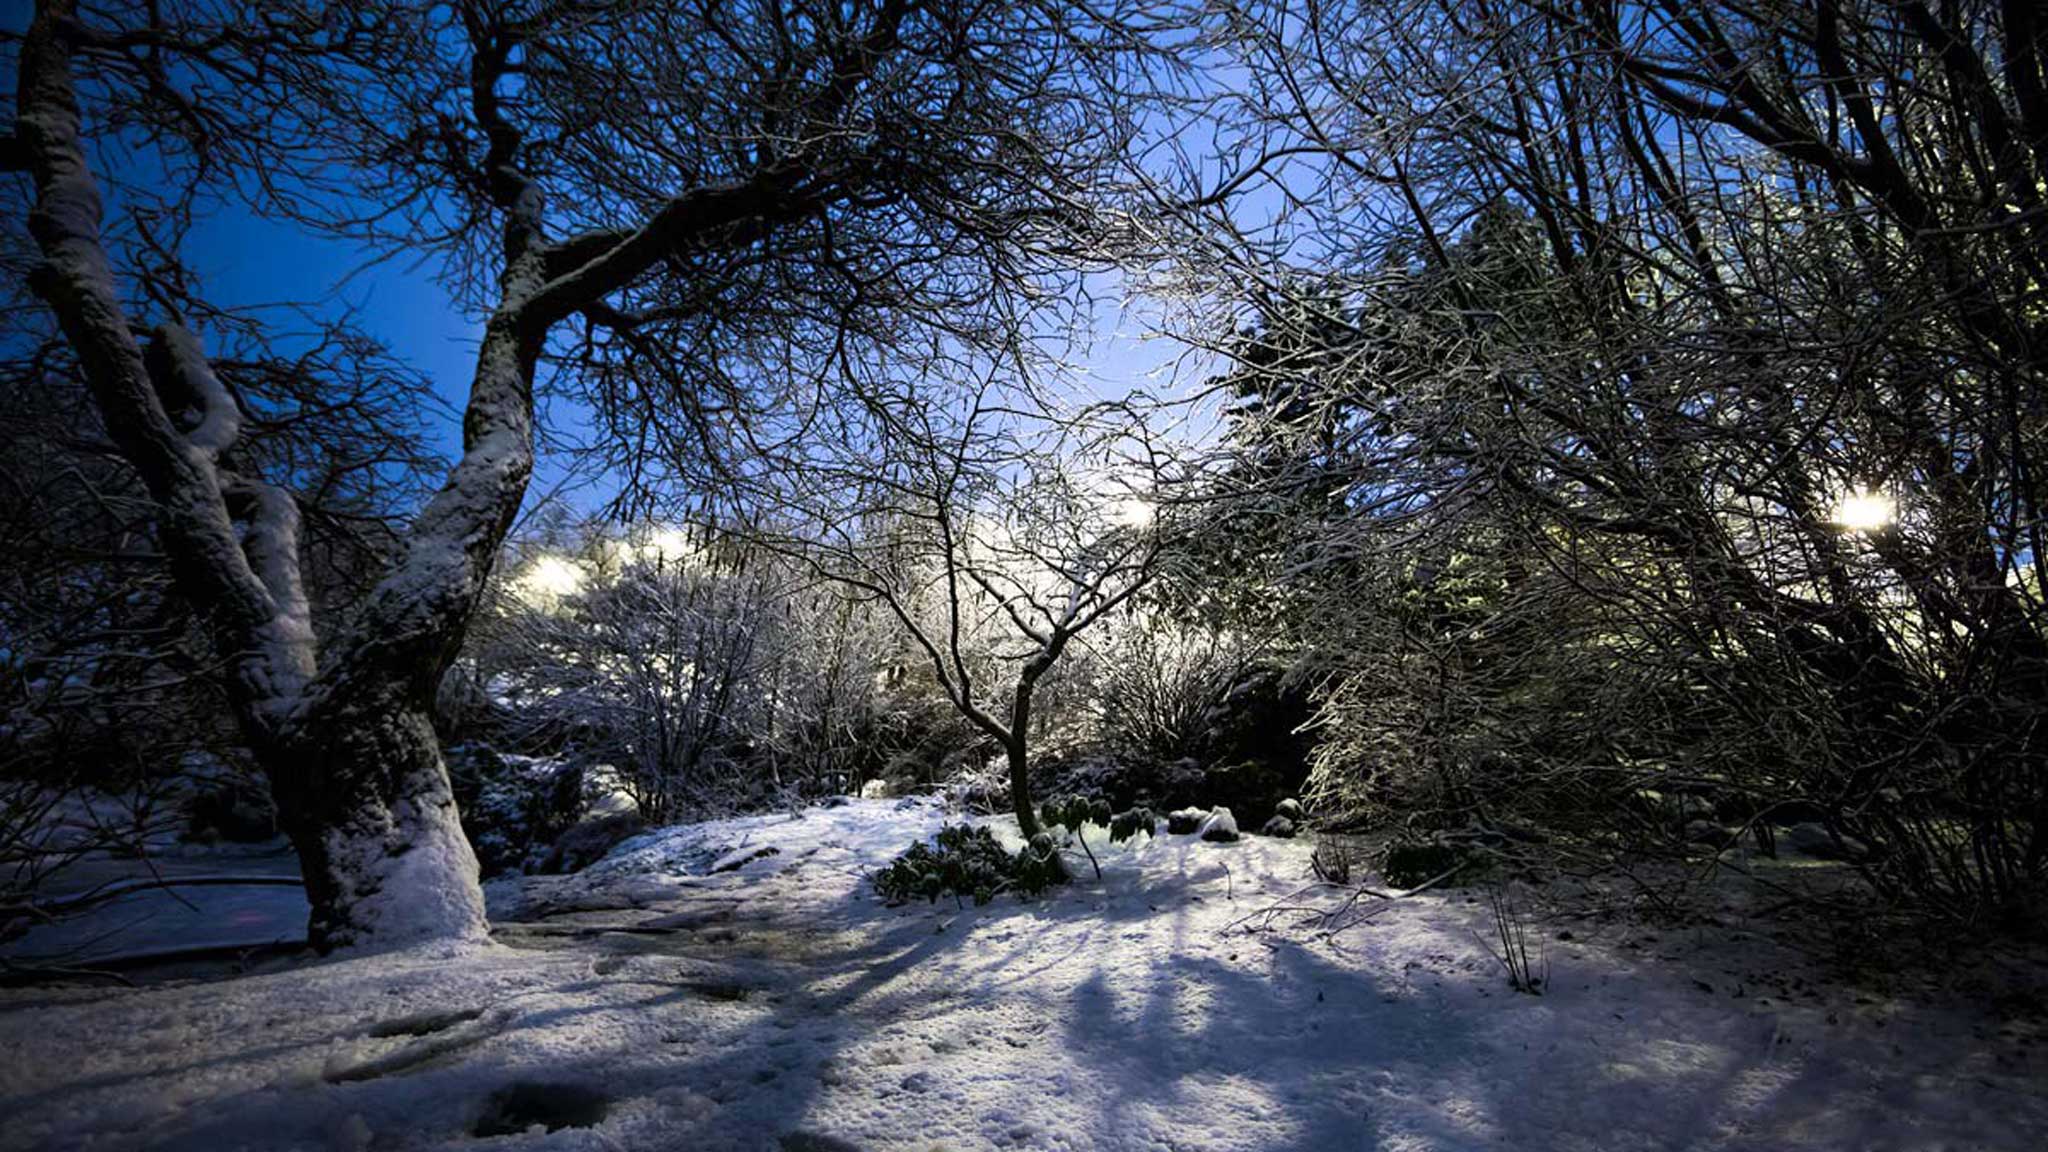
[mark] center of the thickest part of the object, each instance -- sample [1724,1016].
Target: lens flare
[1134,513]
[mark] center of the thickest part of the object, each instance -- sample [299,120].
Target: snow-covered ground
[777,1004]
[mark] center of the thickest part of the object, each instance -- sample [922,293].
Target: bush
[1127,825]
[1411,862]
[1162,686]
[1333,859]
[513,807]
[1122,781]
[1189,716]
[966,860]
[1075,812]
[237,810]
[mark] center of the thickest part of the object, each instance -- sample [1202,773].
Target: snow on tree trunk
[372,815]
[346,740]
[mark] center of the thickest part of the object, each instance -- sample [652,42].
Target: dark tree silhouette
[692,211]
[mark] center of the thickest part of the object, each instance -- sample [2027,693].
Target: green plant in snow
[1072,812]
[1127,825]
[967,860]
[1038,867]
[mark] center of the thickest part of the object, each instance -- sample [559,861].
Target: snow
[219,417]
[779,1005]
[271,542]
[1219,826]
[417,882]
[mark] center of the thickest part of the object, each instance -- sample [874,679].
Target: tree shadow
[1110,1015]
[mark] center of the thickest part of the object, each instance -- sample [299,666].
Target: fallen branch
[1265,915]
[1329,917]
[13,975]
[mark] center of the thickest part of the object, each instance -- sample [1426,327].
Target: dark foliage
[1127,825]
[513,809]
[965,860]
[1407,863]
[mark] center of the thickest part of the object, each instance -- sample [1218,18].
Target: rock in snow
[1220,827]
[587,843]
[1184,821]
[1279,826]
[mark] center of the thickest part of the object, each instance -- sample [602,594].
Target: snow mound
[1219,827]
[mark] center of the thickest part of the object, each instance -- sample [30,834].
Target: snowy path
[778,1006]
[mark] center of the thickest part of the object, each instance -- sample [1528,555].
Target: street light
[547,580]
[1862,511]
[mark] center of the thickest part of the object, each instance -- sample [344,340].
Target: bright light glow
[547,580]
[1134,513]
[665,546]
[1861,511]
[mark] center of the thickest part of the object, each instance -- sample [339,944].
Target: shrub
[1332,860]
[966,860]
[1411,862]
[513,807]
[1162,686]
[1072,813]
[1127,825]
[235,809]
[1038,867]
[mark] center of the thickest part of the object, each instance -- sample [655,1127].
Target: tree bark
[1017,746]
[1020,788]
[347,740]
[368,806]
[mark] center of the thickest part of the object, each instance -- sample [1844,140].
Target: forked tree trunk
[345,735]
[343,730]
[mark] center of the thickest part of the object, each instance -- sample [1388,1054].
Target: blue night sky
[241,259]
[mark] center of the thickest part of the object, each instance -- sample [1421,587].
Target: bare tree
[109,692]
[713,195]
[994,533]
[657,663]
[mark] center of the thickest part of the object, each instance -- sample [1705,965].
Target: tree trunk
[366,800]
[1020,787]
[344,736]
[1018,744]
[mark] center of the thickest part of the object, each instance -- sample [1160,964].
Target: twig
[15,975]
[1278,907]
[1331,916]
[1514,946]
